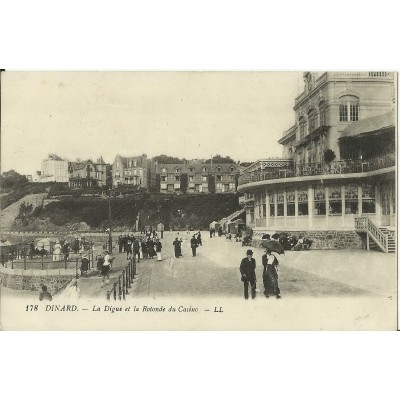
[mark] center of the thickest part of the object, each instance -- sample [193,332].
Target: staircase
[231,217]
[378,238]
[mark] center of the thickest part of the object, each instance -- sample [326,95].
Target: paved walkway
[215,272]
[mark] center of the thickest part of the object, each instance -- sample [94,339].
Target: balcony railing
[313,169]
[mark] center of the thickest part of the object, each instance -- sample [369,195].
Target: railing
[312,169]
[47,262]
[123,283]
[365,224]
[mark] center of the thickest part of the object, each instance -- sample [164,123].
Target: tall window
[368,199]
[348,108]
[280,204]
[319,201]
[302,202]
[290,204]
[351,199]
[177,178]
[335,200]
[271,204]
[312,120]
[322,113]
[302,127]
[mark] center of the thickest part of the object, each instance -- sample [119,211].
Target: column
[266,208]
[327,205]
[284,207]
[310,206]
[342,192]
[296,205]
[378,207]
[359,200]
[275,208]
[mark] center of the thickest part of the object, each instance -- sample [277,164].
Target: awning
[369,125]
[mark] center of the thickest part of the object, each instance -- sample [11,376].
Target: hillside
[196,211]
[10,213]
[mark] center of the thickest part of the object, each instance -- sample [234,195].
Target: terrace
[314,169]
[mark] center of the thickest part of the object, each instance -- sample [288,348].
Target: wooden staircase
[378,238]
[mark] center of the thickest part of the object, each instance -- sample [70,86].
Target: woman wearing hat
[248,271]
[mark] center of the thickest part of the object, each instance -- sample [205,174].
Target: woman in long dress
[57,251]
[158,249]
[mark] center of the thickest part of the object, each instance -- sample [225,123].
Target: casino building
[336,181]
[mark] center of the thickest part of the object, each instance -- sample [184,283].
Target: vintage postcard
[198,200]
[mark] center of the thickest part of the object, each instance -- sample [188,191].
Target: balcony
[313,169]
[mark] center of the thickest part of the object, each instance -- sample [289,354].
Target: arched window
[302,127]
[312,120]
[348,108]
[322,120]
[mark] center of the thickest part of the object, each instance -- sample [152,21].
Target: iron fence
[123,283]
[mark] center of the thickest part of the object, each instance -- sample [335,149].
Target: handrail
[123,283]
[312,169]
[367,225]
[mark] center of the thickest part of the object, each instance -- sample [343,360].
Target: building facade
[197,176]
[54,169]
[339,165]
[133,171]
[86,174]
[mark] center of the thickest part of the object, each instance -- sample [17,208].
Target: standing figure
[144,249]
[65,250]
[248,271]
[44,294]
[199,242]
[193,245]
[270,275]
[57,251]
[158,249]
[100,261]
[136,249]
[150,248]
[84,265]
[128,250]
[105,272]
[177,247]
[120,243]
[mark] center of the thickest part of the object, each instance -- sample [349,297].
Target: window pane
[351,207]
[272,210]
[290,209]
[280,210]
[319,208]
[368,206]
[342,112]
[335,207]
[303,209]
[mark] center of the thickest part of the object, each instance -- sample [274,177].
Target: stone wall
[327,240]
[33,280]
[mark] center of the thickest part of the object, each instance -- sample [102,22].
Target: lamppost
[109,223]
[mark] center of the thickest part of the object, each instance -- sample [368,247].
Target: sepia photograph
[198,200]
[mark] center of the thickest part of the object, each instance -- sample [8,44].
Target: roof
[369,125]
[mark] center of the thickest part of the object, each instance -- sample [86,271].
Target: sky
[183,114]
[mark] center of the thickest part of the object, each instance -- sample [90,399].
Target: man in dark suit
[248,271]
[193,245]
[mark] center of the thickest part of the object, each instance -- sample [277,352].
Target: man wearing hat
[248,271]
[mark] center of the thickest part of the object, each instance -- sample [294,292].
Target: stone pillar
[284,207]
[296,205]
[275,207]
[359,200]
[342,192]
[266,208]
[378,207]
[327,206]
[310,206]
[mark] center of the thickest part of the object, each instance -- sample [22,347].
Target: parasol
[274,246]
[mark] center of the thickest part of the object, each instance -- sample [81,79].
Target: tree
[329,155]
[164,159]
[220,159]
[12,180]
